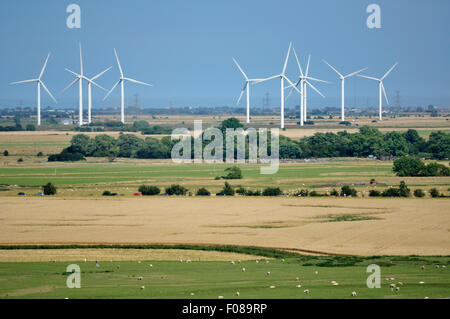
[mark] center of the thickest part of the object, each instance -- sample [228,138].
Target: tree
[408,166]
[231,122]
[39,154]
[419,193]
[233,172]
[30,127]
[434,193]
[404,190]
[80,143]
[228,190]
[149,190]
[49,189]
[348,191]
[128,145]
[438,144]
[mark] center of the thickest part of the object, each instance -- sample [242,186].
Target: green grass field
[210,279]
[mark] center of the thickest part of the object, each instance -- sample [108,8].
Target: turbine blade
[45,65]
[333,68]
[92,82]
[118,63]
[74,73]
[368,77]
[292,89]
[307,65]
[45,88]
[240,69]
[81,61]
[101,73]
[384,76]
[317,80]
[112,89]
[242,93]
[287,58]
[298,62]
[136,81]
[267,79]
[70,85]
[315,89]
[292,84]
[356,72]
[384,92]
[25,81]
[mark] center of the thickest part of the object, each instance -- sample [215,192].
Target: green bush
[391,192]
[5,153]
[40,154]
[49,189]
[272,191]
[253,193]
[419,193]
[217,178]
[203,192]
[334,192]
[20,160]
[374,193]
[228,190]
[434,193]
[149,190]
[348,191]
[241,191]
[106,193]
[408,166]
[233,173]
[176,189]
[403,190]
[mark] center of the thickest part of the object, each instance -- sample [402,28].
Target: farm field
[211,279]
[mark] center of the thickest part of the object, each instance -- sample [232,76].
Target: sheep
[268,273]
[283,260]
[257,261]
[118,266]
[316,272]
[139,261]
[220,297]
[335,284]
[444,266]
[181,260]
[232,262]
[237,293]
[188,261]
[85,259]
[421,282]
[192,294]
[243,269]
[400,283]
[397,289]
[297,279]
[272,287]
[142,287]
[151,265]
[392,286]
[423,267]
[437,266]
[267,261]
[239,261]
[306,291]
[299,286]
[353,293]
[140,278]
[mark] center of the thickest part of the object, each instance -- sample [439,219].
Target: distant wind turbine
[246,88]
[121,81]
[282,78]
[343,77]
[380,88]
[39,83]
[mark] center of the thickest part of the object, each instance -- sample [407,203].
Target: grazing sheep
[237,293]
[140,278]
[139,262]
[181,260]
[85,259]
[283,260]
[297,279]
[220,297]
[267,261]
[316,272]
[239,261]
[421,282]
[151,265]
[272,287]
[335,284]
[188,261]
[437,266]
[353,293]
[257,261]
[118,266]
[192,294]
[268,273]
[397,288]
[400,283]
[243,269]
[232,262]
[306,291]
[392,286]
[392,278]
[299,286]
[444,266]
[423,267]
[142,287]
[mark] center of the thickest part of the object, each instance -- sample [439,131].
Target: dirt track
[391,226]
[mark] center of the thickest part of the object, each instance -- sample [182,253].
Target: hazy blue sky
[185,48]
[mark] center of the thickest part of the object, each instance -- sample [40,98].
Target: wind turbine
[39,83]
[246,88]
[90,81]
[282,78]
[121,81]
[380,88]
[343,77]
[303,81]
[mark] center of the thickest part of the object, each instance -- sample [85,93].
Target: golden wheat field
[331,226]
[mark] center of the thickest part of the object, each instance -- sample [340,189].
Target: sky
[185,49]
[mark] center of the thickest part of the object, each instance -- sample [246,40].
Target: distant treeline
[368,141]
[138,126]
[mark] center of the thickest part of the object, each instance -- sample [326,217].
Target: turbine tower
[246,88]
[39,83]
[343,77]
[380,88]
[282,78]
[121,81]
[90,81]
[303,82]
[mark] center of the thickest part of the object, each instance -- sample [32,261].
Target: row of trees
[368,141]
[409,166]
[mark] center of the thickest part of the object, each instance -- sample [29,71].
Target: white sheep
[297,279]
[353,293]
[243,269]
[299,286]
[316,272]
[421,282]
[272,287]
[142,287]
[267,261]
[237,293]
[397,288]
[306,291]
[151,265]
[192,294]
[257,261]
[232,262]
[423,267]
[220,297]
[268,273]
[139,261]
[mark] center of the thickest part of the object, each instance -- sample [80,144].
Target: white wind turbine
[343,77]
[90,81]
[380,88]
[303,82]
[121,81]
[39,83]
[246,88]
[282,78]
